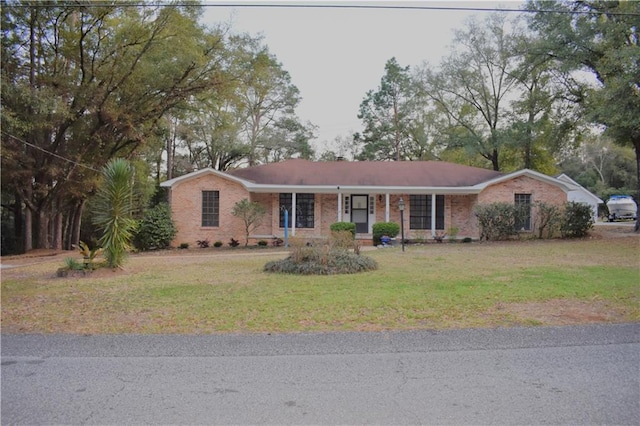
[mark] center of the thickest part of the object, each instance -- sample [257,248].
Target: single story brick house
[438,196]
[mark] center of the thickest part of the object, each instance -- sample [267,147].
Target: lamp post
[401,208]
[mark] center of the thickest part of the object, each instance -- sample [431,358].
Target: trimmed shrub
[548,218]
[183,246]
[321,261]
[390,229]
[497,220]
[577,220]
[217,244]
[263,243]
[344,226]
[156,230]
[343,240]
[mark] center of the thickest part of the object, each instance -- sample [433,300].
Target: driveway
[541,375]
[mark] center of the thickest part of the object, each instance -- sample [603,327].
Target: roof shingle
[366,173]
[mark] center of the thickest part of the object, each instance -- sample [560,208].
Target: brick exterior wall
[540,192]
[459,214]
[186,210]
[186,206]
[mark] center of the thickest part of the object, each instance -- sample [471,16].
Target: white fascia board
[351,189]
[565,186]
[563,177]
[203,172]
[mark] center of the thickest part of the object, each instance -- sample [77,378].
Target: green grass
[435,286]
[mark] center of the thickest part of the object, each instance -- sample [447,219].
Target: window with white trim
[523,212]
[305,214]
[210,208]
[420,211]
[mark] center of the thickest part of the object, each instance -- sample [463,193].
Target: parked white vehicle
[622,207]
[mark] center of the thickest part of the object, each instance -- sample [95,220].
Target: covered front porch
[426,215]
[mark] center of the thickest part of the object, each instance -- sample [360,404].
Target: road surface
[540,375]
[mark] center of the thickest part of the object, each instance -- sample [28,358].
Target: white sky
[336,55]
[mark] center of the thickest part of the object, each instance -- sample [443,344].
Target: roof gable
[529,173]
[200,173]
[563,177]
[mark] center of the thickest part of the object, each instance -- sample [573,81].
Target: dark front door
[360,213]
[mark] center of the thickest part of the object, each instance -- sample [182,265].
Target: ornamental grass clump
[327,258]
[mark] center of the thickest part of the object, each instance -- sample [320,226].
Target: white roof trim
[580,188]
[203,172]
[529,173]
[355,189]
[320,189]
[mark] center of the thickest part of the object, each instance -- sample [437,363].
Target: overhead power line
[49,152]
[320,5]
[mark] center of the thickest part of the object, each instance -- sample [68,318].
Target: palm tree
[112,212]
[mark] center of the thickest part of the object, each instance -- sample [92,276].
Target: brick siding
[186,202]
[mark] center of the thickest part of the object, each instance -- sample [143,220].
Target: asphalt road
[541,375]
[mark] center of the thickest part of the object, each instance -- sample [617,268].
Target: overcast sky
[336,55]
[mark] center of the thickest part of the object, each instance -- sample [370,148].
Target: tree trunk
[43,229]
[28,225]
[494,160]
[18,224]
[76,223]
[56,244]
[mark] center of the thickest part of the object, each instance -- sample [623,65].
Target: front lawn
[435,286]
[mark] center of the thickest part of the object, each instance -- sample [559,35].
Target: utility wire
[49,152]
[310,5]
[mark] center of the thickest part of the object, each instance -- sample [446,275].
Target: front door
[360,213]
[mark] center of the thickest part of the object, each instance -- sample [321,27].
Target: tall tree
[84,83]
[385,114]
[254,121]
[472,87]
[600,37]
[544,121]
[265,95]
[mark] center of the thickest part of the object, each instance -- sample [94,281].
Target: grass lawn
[435,286]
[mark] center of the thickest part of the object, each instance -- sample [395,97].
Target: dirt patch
[562,312]
[613,230]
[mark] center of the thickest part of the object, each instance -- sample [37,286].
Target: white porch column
[433,215]
[293,213]
[339,205]
[386,207]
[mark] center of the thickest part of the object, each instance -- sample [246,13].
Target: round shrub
[577,220]
[497,220]
[314,261]
[344,226]
[390,229]
[156,229]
